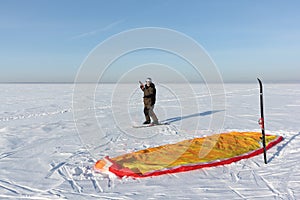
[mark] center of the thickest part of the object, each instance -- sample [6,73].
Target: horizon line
[171,82]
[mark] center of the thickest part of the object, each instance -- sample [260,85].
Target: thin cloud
[94,32]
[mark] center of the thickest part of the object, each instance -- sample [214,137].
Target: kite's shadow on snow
[280,148]
[176,119]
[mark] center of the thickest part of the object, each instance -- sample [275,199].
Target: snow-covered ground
[47,154]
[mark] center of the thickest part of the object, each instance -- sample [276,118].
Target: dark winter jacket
[149,94]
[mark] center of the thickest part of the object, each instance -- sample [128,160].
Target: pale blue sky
[47,40]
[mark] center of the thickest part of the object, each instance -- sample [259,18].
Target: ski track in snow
[42,156]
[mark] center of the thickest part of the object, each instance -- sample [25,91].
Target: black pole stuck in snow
[261,120]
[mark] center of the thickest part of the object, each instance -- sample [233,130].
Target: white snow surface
[46,155]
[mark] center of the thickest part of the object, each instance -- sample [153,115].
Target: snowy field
[47,154]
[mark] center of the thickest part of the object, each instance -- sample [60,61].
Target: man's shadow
[179,118]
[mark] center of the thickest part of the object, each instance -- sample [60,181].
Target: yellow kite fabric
[218,149]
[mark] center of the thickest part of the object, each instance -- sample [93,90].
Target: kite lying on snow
[218,149]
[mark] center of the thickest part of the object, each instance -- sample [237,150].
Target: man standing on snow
[149,101]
